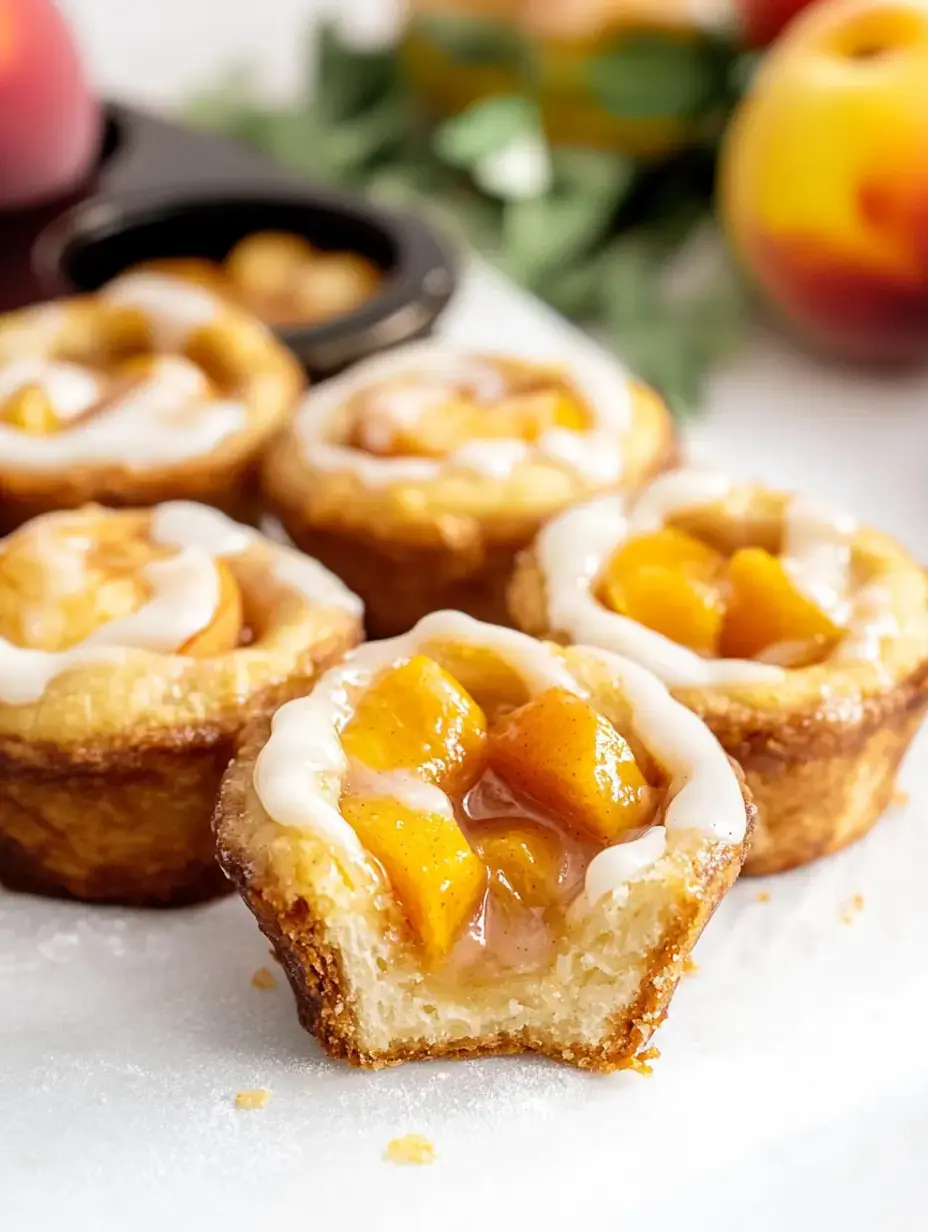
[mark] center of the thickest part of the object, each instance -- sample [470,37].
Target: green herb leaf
[349,81]
[651,76]
[544,236]
[485,128]
[472,40]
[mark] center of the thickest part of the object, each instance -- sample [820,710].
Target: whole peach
[824,178]
[761,21]
[49,118]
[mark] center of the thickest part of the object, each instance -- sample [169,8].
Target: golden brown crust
[126,819]
[325,1001]
[108,777]
[819,781]
[403,568]
[251,367]
[227,480]
[820,761]
[133,831]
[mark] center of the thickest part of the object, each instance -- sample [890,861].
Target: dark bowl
[94,242]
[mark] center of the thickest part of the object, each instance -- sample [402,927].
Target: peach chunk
[668,581]
[766,609]
[29,409]
[442,428]
[524,859]
[416,717]
[434,873]
[224,630]
[561,752]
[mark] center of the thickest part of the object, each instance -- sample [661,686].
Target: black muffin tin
[161,190]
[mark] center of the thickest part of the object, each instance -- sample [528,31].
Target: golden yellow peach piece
[417,717]
[559,751]
[433,871]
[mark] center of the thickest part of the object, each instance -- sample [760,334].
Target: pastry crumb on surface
[690,966]
[263,978]
[410,1149]
[900,798]
[762,896]
[259,1098]
[640,1064]
[852,908]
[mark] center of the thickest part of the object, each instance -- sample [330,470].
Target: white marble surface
[793,1086]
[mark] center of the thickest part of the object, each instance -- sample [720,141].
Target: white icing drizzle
[433,369]
[494,459]
[70,389]
[301,771]
[175,308]
[185,592]
[816,554]
[187,524]
[166,418]
[614,868]
[402,786]
[573,549]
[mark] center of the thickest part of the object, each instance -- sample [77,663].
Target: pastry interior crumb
[259,1098]
[690,967]
[410,1149]
[263,979]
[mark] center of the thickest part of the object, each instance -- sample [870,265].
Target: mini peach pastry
[281,278]
[149,390]
[134,645]
[799,636]
[418,475]
[463,841]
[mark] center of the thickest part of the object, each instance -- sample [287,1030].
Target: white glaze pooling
[437,371]
[175,309]
[187,524]
[301,771]
[185,593]
[165,418]
[70,389]
[573,549]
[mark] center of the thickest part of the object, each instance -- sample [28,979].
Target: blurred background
[665,172]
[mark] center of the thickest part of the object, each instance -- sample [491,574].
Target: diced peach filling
[524,860]
[740,607]
[30,410]
[766,609]
[558,750]
[433,870]
[556,754]
[670,582]
[440,429]
[417,717]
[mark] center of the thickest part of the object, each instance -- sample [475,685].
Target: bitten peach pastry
[463,842]
[147,391]
[798,635]
[134,646]
[418,475]
[281,278]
